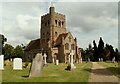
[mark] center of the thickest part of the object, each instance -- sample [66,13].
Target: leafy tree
[8,51]
[19,51]
[90,49]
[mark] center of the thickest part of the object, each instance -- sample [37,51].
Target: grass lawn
[113,67]
[51,73]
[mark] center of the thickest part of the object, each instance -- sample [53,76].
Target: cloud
[87,21]
[93,14]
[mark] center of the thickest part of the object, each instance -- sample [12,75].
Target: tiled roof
[34,44]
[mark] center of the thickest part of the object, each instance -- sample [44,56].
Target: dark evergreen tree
[112,53]
[95,52]
[83,53]
[2,41]
[101,49]
[117,56]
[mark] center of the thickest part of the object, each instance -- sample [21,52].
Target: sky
[87,21]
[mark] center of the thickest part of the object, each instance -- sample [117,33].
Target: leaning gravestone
[36,66]
[1,62]
[17,64]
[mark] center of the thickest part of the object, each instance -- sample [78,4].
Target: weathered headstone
[17,64]
[102,59]
[36,66]
[81,60]
[71,65]
[57,62]
[113,60]
[1,62]
[45,62]
[99,59]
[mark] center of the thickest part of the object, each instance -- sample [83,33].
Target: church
[54,40]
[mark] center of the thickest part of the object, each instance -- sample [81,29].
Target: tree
[95,52]
[2,40]
[8,51]
[101,49]
[90,49]
[83,53]
[117,56]
[19,51]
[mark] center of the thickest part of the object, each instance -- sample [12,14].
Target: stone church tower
[54,40]
[52,25]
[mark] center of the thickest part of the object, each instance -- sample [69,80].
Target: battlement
[45,16]
[61,15]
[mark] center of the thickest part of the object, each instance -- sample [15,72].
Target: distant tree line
[9,51]
[107,52]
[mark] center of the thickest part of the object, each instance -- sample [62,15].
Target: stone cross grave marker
[71,65]
[1,62]
[69,59]
[17,64]
[36,66]
[45,62]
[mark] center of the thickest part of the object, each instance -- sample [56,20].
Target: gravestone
[45,62]
[17,64]
[71,66]
[1,62]
[113,60]
[36,66]
[102,59]
[81,60]
[99,59]
[57,62]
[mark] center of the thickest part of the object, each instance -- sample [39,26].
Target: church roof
[63,35]
[34,44]
[59,39]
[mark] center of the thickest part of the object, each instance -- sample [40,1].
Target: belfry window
[62,23]
[56,22]
[59,23]
[55,34]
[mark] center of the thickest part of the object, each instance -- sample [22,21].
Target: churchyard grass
[113,67]
[51,73]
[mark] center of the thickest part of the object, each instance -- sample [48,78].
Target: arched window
[48,22]
[62,23]
[59,23]
[45,24]
[67,46]
[56,22]
[72,47]
[55,34]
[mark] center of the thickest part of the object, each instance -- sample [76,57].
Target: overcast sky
[87,21]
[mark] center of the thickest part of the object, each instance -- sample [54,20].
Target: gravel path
[100,74]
